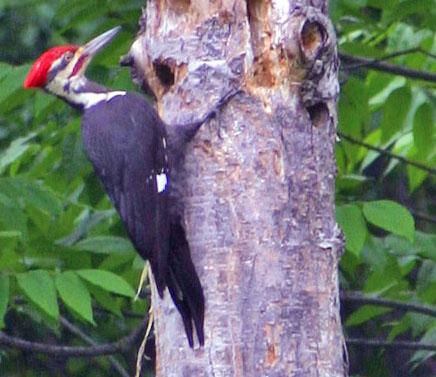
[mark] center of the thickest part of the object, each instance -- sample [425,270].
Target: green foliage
[352,223]
[63,251]
[108,281]
[33,283]
[391,217]
[364,314]
[385,207]
[106,245]
[4,297]
[75,294]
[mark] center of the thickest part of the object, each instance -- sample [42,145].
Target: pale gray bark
[258,184]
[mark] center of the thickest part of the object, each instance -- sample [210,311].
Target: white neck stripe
[89,99]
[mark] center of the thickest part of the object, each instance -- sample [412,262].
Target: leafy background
[63,251]
[64,254]
[385,205]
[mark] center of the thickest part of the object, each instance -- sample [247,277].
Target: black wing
[184,284]
[126,143]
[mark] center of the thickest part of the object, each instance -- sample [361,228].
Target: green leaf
[31,193]
[5,69]
[353,225]
[106,300]
[13,81]
[16,149]
[422,356]
[349,181]
[115,261]
[105,245]
[108,281]
[10,234]
[395,111]
[416,177]
[353,114]
[401,37]
[4,298]
[349,262]
[11,216]
[423,129]
[425,244]
[390,216]
[74,293]
[39,287]
[355,3]
[426,275]
[399,328]
[364,314]
[381,85]
[384,277]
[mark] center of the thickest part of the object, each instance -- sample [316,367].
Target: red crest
[37,76]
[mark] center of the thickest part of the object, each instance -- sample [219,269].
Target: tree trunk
[257,185]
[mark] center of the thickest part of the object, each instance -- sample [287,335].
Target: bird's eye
[68,56]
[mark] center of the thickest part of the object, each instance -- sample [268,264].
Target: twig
[393,344]
[389,56]
[387,153]
[127,313]
[422,216]
[102,349]
[389,68]
[360,299]
[79,333]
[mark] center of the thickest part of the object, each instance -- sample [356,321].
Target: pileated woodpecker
[127,144]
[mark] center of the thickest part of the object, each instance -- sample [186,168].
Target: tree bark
[257,184]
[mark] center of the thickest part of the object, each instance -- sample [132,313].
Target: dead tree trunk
[258,184]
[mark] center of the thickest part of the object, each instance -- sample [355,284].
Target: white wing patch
[161,180]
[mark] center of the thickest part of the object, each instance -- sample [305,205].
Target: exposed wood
[257,185]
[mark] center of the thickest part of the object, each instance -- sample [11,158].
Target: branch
[119,346]
[389,56]
[360,299]
[18,300]
[389,68]
[422,309]
[79,333]
[395,344]
[387,153]
[422,216]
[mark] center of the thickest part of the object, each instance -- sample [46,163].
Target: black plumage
[126,142]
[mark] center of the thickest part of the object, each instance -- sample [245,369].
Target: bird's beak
[98,43]
[85,53]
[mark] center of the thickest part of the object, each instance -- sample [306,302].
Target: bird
[127,144]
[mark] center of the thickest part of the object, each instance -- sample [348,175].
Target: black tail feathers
[184,284]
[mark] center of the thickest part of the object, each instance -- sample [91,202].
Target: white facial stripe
[87,99]
[91,99]
[62,81]
[56,85]
[161,180]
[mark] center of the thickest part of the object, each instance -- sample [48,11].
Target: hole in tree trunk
[313,37]
[164,74]
[318,113]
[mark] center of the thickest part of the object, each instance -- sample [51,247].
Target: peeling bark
[257,184]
